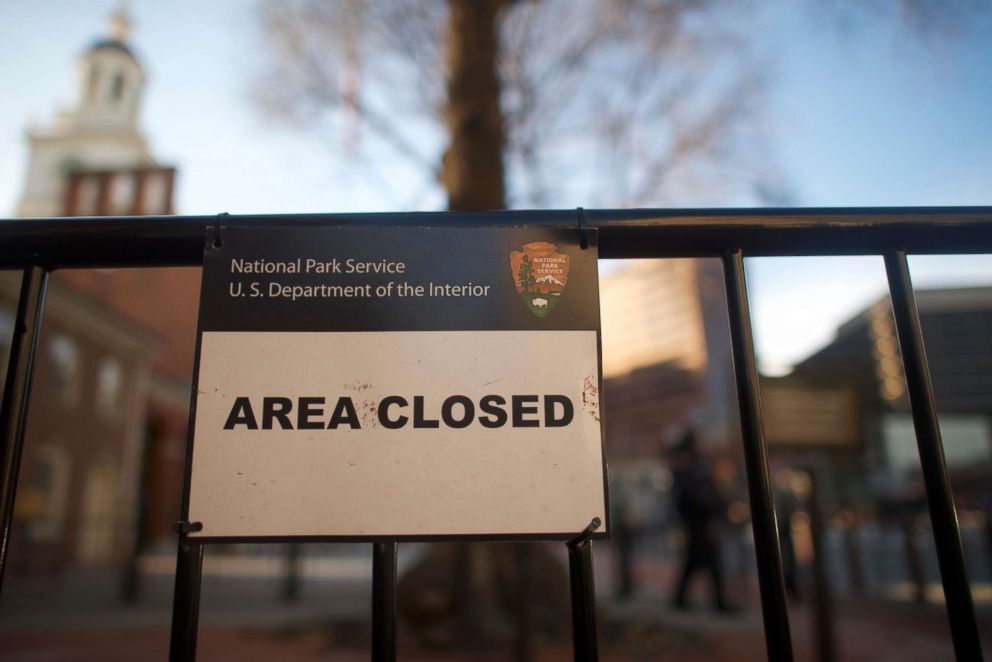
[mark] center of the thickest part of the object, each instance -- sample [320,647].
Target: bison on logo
[540,274]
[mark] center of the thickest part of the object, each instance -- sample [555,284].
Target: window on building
[117,88]
[93,83]
[109,384]
[155,193]
[122,193]
[101,502]
[41,496]
[88,196]
[64,384]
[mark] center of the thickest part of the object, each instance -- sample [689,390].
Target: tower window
[92,83]
[87,196]
[122,193]
[117,88]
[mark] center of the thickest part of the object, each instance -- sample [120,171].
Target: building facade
[873,443]
[666,357]
[78,488]
[130,329]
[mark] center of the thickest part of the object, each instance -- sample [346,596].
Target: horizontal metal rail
[144,241]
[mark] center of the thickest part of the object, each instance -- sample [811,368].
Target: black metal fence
[39,246]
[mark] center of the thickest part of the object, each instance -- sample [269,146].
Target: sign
[363,382]
[804,416]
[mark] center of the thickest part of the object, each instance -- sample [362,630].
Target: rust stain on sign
[590,396]
[367,412]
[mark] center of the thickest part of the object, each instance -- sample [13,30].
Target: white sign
[337,413]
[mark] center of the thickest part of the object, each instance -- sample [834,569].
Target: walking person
[701,510]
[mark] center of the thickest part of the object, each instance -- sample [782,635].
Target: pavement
[245,617]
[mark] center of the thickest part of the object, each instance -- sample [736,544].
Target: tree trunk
[472,170]
[485,596]
[472,174]
[477,594]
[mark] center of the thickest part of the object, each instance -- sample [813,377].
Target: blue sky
[863,116]
[872,116]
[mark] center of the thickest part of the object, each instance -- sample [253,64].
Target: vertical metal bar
[988,536]
[186,601]
[291,585]
[778,637]
[16,394]
[823,603]
[523,640]
[946,533]
[581,578]
[384,602]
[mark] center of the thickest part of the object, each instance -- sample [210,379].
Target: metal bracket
[184,526]
[586,533]
[218,240]
[583,231]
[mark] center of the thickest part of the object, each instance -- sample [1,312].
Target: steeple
[111,80]
[119,25]
[98,131]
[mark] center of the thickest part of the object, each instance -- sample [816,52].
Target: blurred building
[666,357]
[116,345]
[851,396]
[78,490]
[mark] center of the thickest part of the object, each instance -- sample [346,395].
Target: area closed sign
[362,382]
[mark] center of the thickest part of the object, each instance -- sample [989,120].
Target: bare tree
[529,103]
[533,103]
[595,102]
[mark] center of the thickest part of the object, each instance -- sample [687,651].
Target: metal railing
[40,245]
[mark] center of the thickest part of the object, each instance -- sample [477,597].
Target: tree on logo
[526,275]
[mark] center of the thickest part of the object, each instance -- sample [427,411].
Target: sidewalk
[247,619]
[92,603]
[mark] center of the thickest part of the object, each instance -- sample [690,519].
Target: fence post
[186,601]
[384,602]
[523,640]
[943,516]
[16,394]
[583,589]
[823,603]
[778,637]
[291,583]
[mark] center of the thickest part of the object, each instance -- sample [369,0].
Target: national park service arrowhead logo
[540,274]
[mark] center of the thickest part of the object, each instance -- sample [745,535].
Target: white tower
[100,129]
